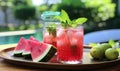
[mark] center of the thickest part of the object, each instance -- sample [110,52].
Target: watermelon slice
[20,47]
[41,51]
[34,39]
[27,51]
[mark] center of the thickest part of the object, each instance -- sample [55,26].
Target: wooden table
[4,66]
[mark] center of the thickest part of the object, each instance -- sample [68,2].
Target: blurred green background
[101,14]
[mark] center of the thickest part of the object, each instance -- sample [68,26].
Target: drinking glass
[70,45]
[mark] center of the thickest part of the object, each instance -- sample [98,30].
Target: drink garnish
[67,22]
[52,29]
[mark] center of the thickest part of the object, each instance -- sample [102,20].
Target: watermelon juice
[70,45]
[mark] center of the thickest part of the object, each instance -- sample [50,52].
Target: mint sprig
[52,29]
[66,22]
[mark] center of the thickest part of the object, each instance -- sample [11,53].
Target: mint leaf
[112,42]
[80,20]
[77,22]
[52,29]
[72,24]
[65,17]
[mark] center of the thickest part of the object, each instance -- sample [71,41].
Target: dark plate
[87,62]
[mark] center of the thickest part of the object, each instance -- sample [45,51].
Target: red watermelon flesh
[20,47]
[34,39]
[27,50]
[41,51]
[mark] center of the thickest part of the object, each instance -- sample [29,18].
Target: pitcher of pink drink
[49,27]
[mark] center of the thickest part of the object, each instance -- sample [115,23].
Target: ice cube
[73,41]
[70,33]
[60,32]
[78,34]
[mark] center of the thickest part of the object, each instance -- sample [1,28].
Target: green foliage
[19,2]
[104,9]
[31,26]
[22,2]
[23,12]
[40,25]
[113,23]
[5,3]
[11,28]
[21,27]
[45,7]
[29,2]
[95,10]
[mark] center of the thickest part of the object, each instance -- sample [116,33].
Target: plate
[87,62]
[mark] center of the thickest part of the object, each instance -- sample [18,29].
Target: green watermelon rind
[47,55]
[27,55]
[17,53]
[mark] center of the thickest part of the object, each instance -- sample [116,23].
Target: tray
[87,62]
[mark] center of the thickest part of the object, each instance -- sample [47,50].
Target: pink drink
[70,45]
[49,38]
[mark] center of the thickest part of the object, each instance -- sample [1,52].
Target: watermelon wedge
[20,47]
[34,39]
[41,51]
[27,51]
